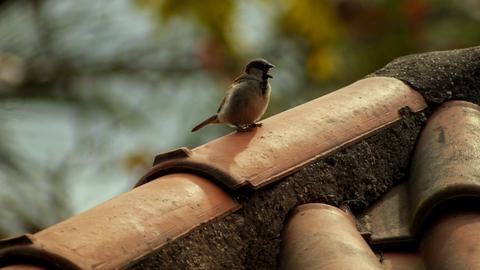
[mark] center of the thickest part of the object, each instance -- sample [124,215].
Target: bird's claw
[248,127]
[244,129]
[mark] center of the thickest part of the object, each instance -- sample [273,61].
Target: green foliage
[214,15]
[315,24]
[340,40]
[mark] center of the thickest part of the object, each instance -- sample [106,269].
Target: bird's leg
[255,125]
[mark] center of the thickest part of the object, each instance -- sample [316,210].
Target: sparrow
[246,100]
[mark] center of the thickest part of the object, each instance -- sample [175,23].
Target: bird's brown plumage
[246,100]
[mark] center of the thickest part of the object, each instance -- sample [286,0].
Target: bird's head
[260,67]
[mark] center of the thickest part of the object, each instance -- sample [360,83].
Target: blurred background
[91,90]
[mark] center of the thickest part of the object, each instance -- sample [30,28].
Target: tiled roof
[431,221]
[229,204]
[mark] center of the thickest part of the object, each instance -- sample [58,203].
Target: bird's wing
[223,102]
[240,79]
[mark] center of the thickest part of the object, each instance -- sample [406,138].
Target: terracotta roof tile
[134,223]
[453,241]
[322,237]
[446,163]
[291,139]
[445,167]
[387,221]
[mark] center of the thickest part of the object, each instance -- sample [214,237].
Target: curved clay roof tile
[290,140]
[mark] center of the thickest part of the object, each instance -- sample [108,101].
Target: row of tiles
[323,237]
[431,221]
[177,203]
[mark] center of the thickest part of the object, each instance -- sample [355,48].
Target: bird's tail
[211,120]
